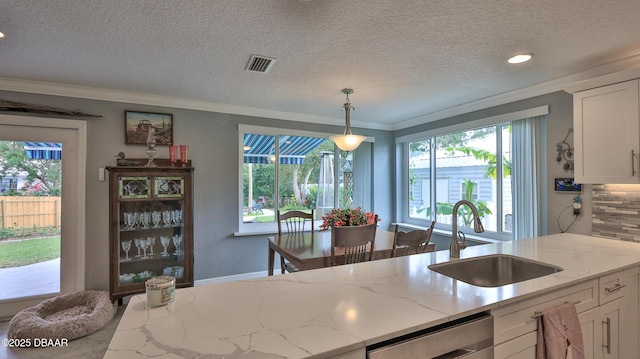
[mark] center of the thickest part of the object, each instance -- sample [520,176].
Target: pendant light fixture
[347,141]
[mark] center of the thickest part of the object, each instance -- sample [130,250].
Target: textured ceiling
[407,60]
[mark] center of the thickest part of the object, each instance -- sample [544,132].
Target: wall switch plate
[101,174]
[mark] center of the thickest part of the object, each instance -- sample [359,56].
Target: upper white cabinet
[607,134]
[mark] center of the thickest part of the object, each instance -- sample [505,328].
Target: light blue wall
[213,140]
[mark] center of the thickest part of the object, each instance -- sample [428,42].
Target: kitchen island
[331,311]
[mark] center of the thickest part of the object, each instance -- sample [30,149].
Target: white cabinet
[515,325]
[607,134]
[601,331]
[630,335]
[607,309]
[519,348]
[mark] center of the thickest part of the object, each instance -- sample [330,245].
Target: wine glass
[125,220]
[166,218]
[144,219]
[126,246]
[155,218]
[177,239]
[151,241]
[137,244]
[164,240]
[144,244]
[178,217]
[136,219]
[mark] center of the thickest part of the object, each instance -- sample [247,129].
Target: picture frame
[137,124]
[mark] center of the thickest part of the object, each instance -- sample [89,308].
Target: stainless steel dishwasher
[469,337]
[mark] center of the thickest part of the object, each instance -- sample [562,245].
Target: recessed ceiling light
[1,34]
[520,58]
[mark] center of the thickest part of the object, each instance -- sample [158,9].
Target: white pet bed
[69,316]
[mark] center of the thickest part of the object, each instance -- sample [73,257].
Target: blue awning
[43,150]
[261,148]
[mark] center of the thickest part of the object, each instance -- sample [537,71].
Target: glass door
[41,251]
[30,218]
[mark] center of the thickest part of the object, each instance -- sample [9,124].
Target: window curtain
[528,174]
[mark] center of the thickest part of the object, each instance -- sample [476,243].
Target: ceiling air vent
[259,63]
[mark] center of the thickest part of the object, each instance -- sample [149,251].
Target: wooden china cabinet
[151,220]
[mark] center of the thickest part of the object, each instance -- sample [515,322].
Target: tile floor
[92,346]
[29,280]
[42,278]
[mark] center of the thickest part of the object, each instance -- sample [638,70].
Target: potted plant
[347,217]
[352,229]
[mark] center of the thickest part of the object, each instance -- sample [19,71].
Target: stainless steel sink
[494,270]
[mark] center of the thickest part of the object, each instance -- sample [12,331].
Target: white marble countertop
[325,312]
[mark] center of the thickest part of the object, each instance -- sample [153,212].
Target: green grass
[21,253]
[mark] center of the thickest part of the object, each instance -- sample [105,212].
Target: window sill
[448,233]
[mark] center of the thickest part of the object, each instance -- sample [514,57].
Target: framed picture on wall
[138,124]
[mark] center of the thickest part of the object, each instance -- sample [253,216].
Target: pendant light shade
[347,141]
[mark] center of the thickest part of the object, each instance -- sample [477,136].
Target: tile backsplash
[616,209]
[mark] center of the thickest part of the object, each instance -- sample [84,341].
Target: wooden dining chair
[357,242]
[294,222]
[412,242]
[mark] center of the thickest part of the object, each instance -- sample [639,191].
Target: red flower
[347,217]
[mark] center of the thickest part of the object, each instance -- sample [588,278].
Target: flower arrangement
[347,218]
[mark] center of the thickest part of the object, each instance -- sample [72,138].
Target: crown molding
[94,93]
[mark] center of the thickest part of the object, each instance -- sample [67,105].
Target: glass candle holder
[183,154]
[173,155]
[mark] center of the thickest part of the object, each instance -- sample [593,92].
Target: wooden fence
[29,212]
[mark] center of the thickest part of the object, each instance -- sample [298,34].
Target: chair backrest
[412,242]
[357,242]
[294,221]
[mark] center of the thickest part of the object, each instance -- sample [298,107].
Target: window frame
[499,234]
[245,229]
[403,189]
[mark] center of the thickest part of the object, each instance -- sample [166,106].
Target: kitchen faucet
[456,247]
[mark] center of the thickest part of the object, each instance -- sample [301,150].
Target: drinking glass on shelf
[177,240]
[136,219]
[144,244]
[126,246]
[178,217]
[156,217]
[151,241]
[184,149]
[173,152]
[137,244]
[144,219]
[164,240]
[166,218]
[125,220]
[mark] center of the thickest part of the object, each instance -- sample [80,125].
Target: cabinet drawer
[517,319]
[611,287]
[523,347]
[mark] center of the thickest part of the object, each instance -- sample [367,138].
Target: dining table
[311,250]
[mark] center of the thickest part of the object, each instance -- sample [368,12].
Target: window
[8,185]
[295,171]
[473,165]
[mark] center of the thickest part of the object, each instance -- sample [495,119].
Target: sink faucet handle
[477,225]
[463,243]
